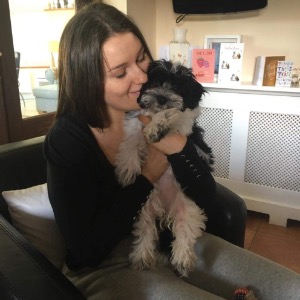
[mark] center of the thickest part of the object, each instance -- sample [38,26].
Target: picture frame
[214,42]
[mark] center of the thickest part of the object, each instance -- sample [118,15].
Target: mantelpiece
[248,88]
[255,135]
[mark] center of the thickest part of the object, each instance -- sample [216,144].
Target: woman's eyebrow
[116,67]
[110,69]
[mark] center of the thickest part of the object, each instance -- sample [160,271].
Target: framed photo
[214,42]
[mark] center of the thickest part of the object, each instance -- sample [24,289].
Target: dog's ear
[188,87]
[159,72]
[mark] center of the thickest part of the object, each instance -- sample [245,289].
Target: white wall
[271,31]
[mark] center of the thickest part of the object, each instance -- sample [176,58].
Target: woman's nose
[140,76]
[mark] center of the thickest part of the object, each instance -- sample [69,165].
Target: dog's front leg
[162,124]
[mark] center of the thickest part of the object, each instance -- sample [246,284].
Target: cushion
[33,217]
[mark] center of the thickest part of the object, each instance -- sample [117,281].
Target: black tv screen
[216,6]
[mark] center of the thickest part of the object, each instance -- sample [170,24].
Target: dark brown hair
[81,64]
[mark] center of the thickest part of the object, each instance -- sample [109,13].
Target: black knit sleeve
[193,174]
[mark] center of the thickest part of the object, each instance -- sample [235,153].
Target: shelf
[57,9]
[248,88]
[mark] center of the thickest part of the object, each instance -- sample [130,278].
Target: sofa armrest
[26,274]
[22,166]
[228,218]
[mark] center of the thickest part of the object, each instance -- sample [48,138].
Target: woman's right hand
[155,165]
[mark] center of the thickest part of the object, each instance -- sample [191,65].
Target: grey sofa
[26,274]
[46,98]
[46,95]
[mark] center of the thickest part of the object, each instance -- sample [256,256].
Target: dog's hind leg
[188,223]
[143,255]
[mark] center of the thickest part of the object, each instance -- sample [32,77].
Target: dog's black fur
[181,81]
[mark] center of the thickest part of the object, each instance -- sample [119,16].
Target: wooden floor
[279,244]
[29,109]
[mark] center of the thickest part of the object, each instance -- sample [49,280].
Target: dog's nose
[142,105]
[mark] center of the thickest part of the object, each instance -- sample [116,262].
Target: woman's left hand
[170,144]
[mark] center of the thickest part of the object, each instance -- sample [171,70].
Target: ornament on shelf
[295,77]
[179,47]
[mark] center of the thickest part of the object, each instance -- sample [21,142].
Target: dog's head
[170,85]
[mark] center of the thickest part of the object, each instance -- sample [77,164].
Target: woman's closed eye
[121,75]
[141,58]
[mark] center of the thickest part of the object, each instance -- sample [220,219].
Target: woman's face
[125,63]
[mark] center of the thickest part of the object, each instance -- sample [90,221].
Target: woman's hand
[155,165]
[170,144]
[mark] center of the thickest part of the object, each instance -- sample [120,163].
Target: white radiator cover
[255,136]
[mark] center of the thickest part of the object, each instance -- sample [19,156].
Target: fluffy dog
[171,98]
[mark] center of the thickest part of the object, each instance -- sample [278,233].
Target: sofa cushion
[32,215]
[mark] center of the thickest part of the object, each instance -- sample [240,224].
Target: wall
[144,14]
[145,21]
[271,31]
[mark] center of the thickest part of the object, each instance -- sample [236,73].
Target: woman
[103,60]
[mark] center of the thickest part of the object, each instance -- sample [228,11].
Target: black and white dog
[171,98]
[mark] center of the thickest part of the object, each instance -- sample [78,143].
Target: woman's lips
[137,93]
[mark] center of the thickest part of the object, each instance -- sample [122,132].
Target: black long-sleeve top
[92,210]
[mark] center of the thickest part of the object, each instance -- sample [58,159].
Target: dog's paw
[183,263]
[168,116]
[162,124]
[155,133]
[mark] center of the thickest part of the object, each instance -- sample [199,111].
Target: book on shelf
[284,73]
[203,64]
[270,69]
[230,63]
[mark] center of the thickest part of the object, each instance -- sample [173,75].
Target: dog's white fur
[167,202]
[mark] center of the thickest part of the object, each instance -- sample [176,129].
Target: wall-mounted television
[216,6]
